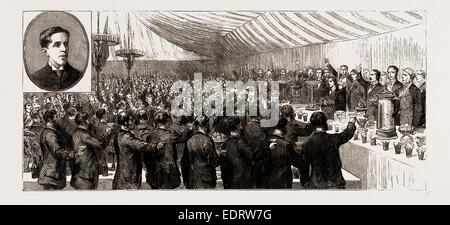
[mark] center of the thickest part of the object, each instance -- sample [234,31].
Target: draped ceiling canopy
[179,35]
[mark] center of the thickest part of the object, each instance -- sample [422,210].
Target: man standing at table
[372,91]
[321,153]
[420,82]
[408,106]
[393,84]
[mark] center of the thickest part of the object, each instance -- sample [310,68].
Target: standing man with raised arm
[321,153]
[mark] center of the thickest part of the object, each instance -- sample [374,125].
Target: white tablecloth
[383,170]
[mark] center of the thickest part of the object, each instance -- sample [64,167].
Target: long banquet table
[378,169]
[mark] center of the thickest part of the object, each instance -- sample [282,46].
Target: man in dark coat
[237,169]
[372,91]
[142,130]
[183,126]
[57,74]
[321,90]
[53,170]
[200,158]
[100,132]
[341,78]
[67,126]
[321,153]
[162,169]
[128,149]
[356,92]
[335,99]
[408,105]
[292,129]
[86,168]
[254,136]
[420,82]
[279,156]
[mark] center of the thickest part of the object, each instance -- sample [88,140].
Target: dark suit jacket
[199,162]
[128,150]
[408,108]
[321,151]
[277,164]
[47,79]
[335,101]
[53,170]
[237,167]
[162,169]
[85,170]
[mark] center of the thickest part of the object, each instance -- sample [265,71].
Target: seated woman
[335,99]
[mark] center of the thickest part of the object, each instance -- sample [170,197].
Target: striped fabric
[225,34]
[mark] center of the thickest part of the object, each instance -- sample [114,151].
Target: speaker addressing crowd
[130,125]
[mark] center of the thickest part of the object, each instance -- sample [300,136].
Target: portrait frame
[79,25]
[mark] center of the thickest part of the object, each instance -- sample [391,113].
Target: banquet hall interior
[324,61]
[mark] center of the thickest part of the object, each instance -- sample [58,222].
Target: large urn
[385,121]
[314,84]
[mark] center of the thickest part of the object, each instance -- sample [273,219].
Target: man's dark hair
[281,125]
[319,120]
[35,114]
[71,111]
[393,67]
[45,36]
[66,106]
[334,81]
[183,120]
[124,119]
[287,111]
[100,113]
[344,66]
[141,115]
[355,71]
[162,117]
[378,74]
[27,104]
[48,106]
[233,123]
[81,118]
[49,115]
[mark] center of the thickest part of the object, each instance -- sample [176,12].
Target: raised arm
[348,133]
[331,68]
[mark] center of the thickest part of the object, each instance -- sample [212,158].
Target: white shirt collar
[54,68]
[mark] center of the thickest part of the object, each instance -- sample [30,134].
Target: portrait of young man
[56,51]
[57,74]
